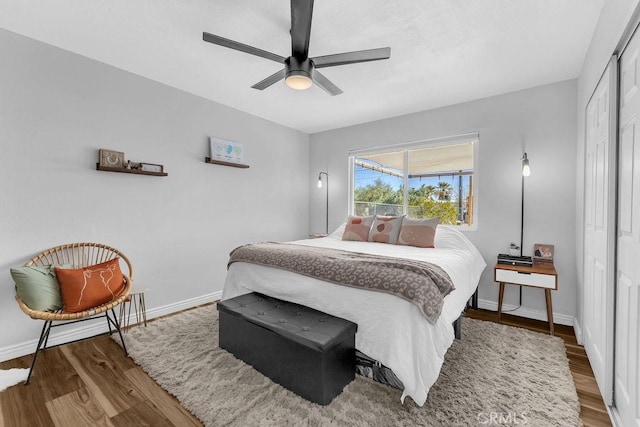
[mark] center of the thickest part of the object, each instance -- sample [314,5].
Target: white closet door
[627,363]
[599,229]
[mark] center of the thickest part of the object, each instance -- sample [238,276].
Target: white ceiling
[443,52]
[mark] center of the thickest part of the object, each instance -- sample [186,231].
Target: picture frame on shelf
[111,158]
[151,167]
[225,150]
[543,252]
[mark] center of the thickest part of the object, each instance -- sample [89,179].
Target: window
[436,178]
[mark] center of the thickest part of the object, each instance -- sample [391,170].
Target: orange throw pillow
[89,287]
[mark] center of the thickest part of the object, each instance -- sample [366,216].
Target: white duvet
[390,329]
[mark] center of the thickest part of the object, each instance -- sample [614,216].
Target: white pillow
[386,229]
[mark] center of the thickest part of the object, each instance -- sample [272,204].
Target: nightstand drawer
[530,279]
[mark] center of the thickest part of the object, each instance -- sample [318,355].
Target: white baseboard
[578,330]
[183,305]
[614,416]
[65,334]
[561,319]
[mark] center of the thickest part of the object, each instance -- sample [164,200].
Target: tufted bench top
[304,325]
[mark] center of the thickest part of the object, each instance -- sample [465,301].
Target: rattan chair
[79,255]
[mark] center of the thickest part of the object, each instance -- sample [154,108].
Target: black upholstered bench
[309,352]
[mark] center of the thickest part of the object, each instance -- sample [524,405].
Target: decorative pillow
[385,229]
[357,228]
[418,232]
[38,287]
[89,287]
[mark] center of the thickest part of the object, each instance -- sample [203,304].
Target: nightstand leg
[547,294]
[500,296]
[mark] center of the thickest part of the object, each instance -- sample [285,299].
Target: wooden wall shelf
[125,170]
[219,162]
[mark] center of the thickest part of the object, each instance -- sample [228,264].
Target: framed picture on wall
[150,167]
[543,252]
[226,151]
[111,159]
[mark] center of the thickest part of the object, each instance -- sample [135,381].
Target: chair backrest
[81,255]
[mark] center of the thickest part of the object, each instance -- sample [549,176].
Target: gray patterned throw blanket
[419,282]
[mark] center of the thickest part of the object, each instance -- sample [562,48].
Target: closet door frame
[600,228]
[627,337]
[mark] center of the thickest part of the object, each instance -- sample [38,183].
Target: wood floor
[92,383]
[88,383]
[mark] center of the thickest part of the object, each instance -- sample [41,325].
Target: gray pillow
[38,287]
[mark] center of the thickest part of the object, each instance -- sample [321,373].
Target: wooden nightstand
[540,275]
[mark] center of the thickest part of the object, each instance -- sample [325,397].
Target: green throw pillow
[38,287]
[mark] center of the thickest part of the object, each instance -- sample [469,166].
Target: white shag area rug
[494,375]
[11,377]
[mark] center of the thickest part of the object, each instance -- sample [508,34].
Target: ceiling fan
[300,71]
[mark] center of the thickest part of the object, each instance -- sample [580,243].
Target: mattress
[390,329]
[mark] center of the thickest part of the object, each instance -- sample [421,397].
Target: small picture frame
[111,159]
[543,252]
[226,151]
[150,167]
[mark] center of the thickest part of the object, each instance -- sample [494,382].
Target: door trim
[607,387]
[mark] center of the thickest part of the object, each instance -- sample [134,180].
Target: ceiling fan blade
[221,41]
[352,57]
[326,84]
[273,78]
[301,12]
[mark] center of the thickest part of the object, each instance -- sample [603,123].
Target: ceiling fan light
[298,81]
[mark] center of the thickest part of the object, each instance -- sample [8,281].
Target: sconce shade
[526,170]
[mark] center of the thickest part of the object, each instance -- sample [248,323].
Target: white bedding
[390,329]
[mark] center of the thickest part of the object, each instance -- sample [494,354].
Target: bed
[391,330]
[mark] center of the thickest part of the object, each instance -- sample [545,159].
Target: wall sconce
[327,206]
[526,171]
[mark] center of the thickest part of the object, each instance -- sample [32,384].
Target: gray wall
[614,18]
[541,121]
[57,109]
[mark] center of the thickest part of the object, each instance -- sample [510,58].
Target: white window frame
[434,142]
